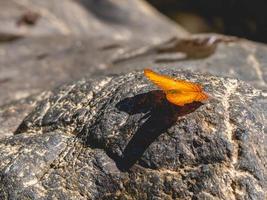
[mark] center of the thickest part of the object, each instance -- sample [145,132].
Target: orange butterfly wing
[168,83]
[182,98]
[178,92]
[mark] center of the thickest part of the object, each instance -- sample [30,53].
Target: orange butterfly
[178,92]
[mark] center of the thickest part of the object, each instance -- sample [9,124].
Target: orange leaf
[178,92]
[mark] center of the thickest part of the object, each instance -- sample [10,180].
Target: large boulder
[110,136]
[84,18]
[117,137]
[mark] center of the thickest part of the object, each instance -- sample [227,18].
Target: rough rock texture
[117,137]
[12,114]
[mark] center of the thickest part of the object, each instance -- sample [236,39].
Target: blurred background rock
[241,18]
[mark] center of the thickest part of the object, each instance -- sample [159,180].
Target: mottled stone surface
[110,136]
[117,137]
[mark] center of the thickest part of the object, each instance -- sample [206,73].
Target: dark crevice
[175,49]
[198,48]
[110,47]
[106,11]
[9,37]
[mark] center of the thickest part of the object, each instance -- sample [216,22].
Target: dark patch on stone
[29,18]
[4,80]
[110,47]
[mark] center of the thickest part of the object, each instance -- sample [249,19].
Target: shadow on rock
[159,116]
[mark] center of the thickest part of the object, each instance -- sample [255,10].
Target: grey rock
[55,58]
[209,53]
[42,55]
[84,18]
[12,114]
[116,137]
[30,66]
[84,34]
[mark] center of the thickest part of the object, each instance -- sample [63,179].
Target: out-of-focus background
[243,18]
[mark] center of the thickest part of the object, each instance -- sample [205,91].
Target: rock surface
[43,55]
[55,58]
[110,136]
[215,54]
[100,31]
[86,18]
[117,137]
